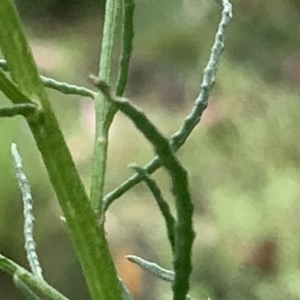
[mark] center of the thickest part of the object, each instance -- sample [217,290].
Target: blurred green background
[243,158]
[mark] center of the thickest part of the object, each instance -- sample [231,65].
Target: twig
[26,110]
[128,34]
[87,236]
[209,75]
[161,202]
[153,268]
[67,88]
[179,137]
[183,230]
[104,110]
[63,87]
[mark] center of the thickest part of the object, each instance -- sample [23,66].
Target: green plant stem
[67,88]
[25,110]
[62,87]
[183,229]
[34,282]
[127,38]
[105,110]
[191,121]
[88,238]
[125,291]
[153,268]
[161,202]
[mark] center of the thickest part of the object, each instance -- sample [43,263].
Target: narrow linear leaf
[104,110]
[154,269]
[27,110]
[67,88]
[127,38]
[161,202]
[30,245]
[183,229]
[209,77]
[88,238]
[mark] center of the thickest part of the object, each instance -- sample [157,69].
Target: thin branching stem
[62,87]
[104,110]
[67,88]
[88,237]
[209,76]
[161,202]
[190,122]
[183,229]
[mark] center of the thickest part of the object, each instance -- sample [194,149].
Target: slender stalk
[183,229]
[161,202]
[153,268]
[191,121]
[105,110]
[62,87]
[67,88]
[25,110]
[88,238]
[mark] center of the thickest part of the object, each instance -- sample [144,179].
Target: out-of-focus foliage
[243,158]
